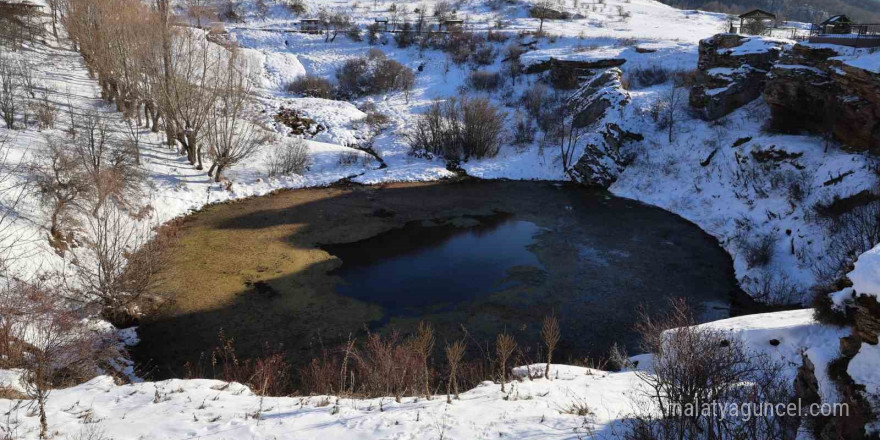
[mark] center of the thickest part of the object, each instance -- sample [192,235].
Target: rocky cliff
[812,89]
[731,72]
[596,107]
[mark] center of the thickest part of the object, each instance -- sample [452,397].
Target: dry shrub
[758,250]
[461,46]
[648,76]
[298,7]
[454,356]
[458,129]
[267,375]
[772,289]
[484,55]
[50,341]
[373,74]
[534,99]
[851,234]
[698,365]
[378,366]
[45,112]
[523,130]
[505,346]
[497,37]
[484,81]
[288,158]
[377,120]
[311,85]
[550,336]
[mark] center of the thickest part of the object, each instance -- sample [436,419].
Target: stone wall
[728,78]
[807,90]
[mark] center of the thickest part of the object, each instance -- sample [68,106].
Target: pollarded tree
[10,86]
[232,137]
[188,95]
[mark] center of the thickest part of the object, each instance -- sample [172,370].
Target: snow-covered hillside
[730,197]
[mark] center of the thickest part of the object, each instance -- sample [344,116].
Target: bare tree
[54,12]
[188,96]
[232,137]
[117,263]
[133,139]
[10,84]
[62,182]
[668,109]
[454,355]
[109,166]
[287,157]
[695,366]
[13,189]
[550,335]
[542,10]
[570,136]
[60,345]
[423,345]
[201,9]
[505,345]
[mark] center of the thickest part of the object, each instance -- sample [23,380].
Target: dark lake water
[423,263]
[308,269]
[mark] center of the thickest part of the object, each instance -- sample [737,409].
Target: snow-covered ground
[731,197]
[539,408]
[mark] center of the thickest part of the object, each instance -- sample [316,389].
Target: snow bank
[797,334]
[866,274]
[754,45]
[866,60]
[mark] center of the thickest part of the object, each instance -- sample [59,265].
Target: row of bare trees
[168,78]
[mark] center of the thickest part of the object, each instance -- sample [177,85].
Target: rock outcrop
[731,72]
[863,313]
[597,107]
[566,74]
[809,90]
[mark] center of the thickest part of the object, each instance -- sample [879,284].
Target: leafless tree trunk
[423,344]
[550,335]
[454,355]
[232,137]
[505,345]
[10,84]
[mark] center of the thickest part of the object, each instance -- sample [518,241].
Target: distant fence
[845,34]
[847,30]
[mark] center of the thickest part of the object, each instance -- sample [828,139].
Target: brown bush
[311,85]
[288,158]
[459,129]
[484,81]
[267,375]
[648,76]
[374,74]
[698,365]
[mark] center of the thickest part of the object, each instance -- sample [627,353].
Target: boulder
[566,74]
[810,90]
[596,108]
[866,318]
[731,72]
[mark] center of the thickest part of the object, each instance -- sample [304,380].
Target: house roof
[757,13]
[837,19]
